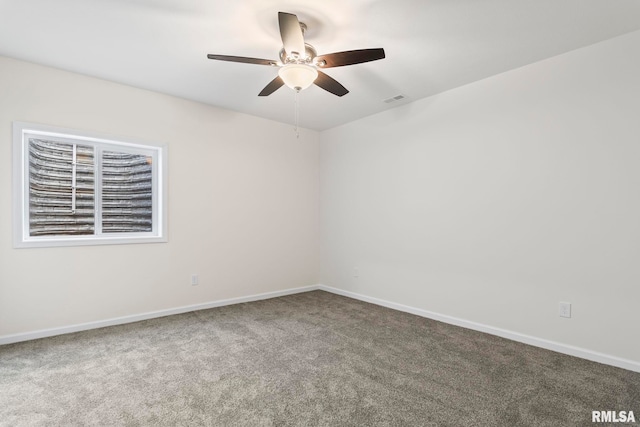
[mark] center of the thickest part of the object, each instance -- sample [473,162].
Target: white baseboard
[8,339]
[515,336]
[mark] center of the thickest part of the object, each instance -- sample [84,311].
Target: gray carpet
[312,359]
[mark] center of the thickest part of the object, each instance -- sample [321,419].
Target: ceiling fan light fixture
[298,76]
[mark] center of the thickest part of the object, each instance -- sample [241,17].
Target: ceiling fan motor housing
[309,55]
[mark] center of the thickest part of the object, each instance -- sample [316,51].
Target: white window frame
[23,131]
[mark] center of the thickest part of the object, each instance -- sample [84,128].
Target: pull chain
[296,113]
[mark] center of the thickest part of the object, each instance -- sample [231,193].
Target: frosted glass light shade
[298,76]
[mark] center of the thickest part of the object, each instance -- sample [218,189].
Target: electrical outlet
[194,279]
[565,309]
[356,273]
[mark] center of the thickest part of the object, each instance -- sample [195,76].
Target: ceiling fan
[299,64]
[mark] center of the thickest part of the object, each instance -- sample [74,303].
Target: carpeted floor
[312,359]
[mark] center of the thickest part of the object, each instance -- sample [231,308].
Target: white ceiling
[431,45]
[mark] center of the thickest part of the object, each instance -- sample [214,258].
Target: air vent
[394,99]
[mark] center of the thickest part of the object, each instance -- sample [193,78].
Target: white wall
[491,203]
[495,201]
[243,206]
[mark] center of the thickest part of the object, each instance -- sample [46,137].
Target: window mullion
[97,198]
[74,169]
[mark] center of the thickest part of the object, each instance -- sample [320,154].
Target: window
[71,188]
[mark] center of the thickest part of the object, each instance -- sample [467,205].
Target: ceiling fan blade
[273,85]
[243,59]
[330,84]
[349,57]
[291,34]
